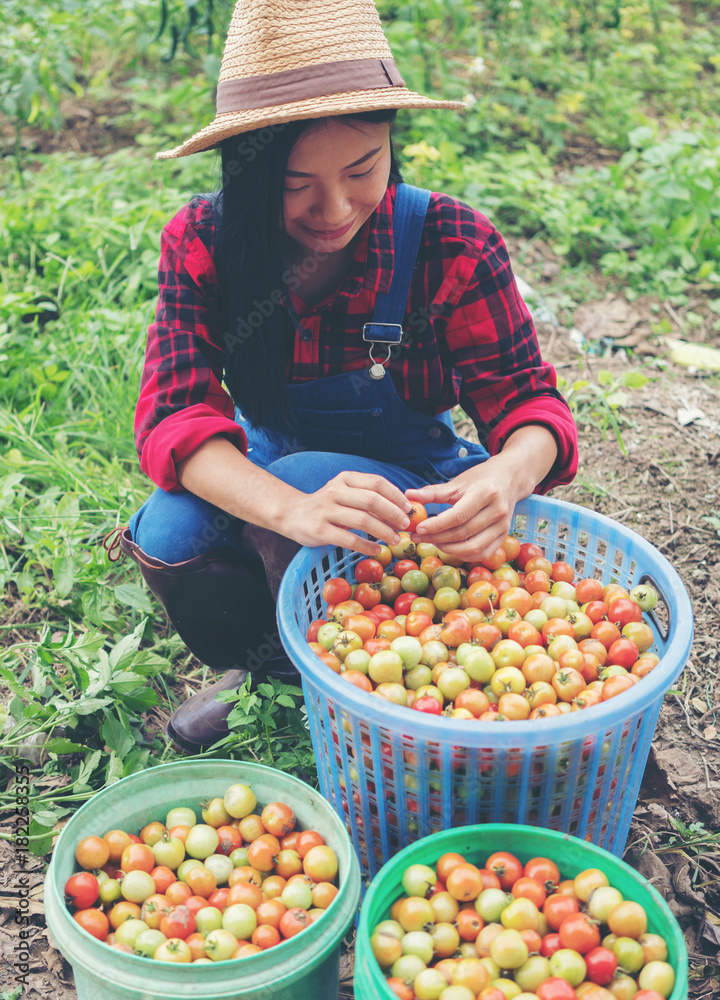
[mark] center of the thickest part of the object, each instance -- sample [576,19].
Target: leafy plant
[73,698]
[601,403]
[272,720]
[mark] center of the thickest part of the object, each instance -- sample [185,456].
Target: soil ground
[666,487]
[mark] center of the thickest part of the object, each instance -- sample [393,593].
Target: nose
[333,207]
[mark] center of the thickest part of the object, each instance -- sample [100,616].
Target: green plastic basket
[475,843]
[305,967]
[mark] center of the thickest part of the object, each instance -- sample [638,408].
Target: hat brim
[237,122]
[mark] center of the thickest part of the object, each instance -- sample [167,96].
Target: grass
[621,182]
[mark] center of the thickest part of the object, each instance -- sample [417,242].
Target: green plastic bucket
[475,843]
[305,966]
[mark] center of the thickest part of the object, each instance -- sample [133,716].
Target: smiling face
[336,177]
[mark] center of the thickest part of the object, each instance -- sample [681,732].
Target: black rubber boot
[209,600]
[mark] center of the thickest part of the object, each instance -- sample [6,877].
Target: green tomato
[187,866]
[128,932]
[645,596]
[180,816]
[202,841]
[386,948]
[136,886]
[418,943]
[479,665]
[326,636]
[208,919]
[414,582]
[148,941]
[221,944]
[434,652]
[658,976]
[240,920]
[386,667]
[418,677]
[395,693]
[629,953]
[357,659]
[509,950]
[168,851]
[409,649]
[429,984]
[418,880]
[407,967]
[533,972]
[221,867]
[446,599]
[452,682]
[568,965]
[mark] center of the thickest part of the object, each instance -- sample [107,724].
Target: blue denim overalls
[345,422]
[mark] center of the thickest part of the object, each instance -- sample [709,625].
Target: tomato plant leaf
[42,846]
[117,738]
[133,595]
[64,574]
[123,654]
[59,745]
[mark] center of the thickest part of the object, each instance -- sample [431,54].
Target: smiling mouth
[331,234]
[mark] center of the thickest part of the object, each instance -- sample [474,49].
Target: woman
[346,314]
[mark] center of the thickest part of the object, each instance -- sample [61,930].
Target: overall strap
[408,221]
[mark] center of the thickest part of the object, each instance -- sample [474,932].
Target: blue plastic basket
[395,775]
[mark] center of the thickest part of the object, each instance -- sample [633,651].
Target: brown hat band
[292,85]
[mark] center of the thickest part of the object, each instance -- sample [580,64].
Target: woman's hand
[352,501]
[483,498]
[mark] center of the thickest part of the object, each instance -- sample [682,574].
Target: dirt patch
[88,126]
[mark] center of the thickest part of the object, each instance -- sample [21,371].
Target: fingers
[378,485]
[434,493]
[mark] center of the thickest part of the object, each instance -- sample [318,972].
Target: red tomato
[94,922]
[623,611]
[314,629]
[179,922]
[557,907]
[370,571]
[367,595]
[506,866]
[562,572]
[555,989]
[478,573]
[81,890]
[601,964]
[550,944]
[403,566]
[336,590]
[579,932]
[606,632]
[528,551]
[588,590]
[596,611]
[428,704]
[163,877]
[403,604]
[623,653]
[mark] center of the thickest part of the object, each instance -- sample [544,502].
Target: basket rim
[508,735]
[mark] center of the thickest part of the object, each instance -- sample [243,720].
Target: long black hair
[256,327]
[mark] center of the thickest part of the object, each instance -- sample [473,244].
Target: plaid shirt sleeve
[492,346]
[182,401]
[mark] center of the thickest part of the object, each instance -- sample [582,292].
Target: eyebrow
[298,173]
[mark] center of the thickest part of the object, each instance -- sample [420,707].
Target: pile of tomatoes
[509,931]
[233,885]
[514,637]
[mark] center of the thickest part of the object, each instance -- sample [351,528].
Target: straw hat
[287,60]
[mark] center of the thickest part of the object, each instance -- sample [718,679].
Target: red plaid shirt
[469,337]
